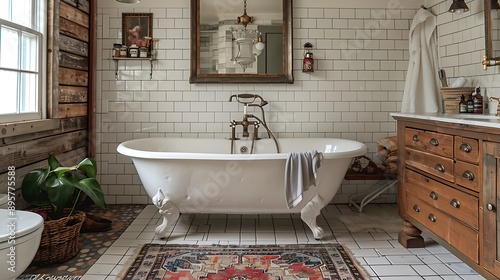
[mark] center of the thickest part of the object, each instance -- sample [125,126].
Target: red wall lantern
[308,62]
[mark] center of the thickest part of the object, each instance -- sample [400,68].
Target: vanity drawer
[467,175]
[435,165]
[431,142]
[467,149]
[462,206]
[457,234]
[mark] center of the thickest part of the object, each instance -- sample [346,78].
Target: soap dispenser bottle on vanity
[462,105]
[478,102]
[470,104]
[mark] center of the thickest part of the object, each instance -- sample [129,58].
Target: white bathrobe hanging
[421,93]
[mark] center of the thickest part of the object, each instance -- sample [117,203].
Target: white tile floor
[377,250]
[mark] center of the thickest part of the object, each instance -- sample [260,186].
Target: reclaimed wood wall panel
[74,46]
[73,61]
[27,127]
[74,30]
[82,5]
[68,60]
[67,159]
[73,77]
[73,14]
[73,94]
[73,26]
[25,153]
[73,124]
[65,125]
[72,110]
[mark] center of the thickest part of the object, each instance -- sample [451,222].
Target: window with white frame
[22,57]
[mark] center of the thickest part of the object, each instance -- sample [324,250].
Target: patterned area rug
[92,245]
[311,261]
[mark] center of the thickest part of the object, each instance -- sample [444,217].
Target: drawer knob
[466,148]
[434,195]
[432,218]
[434,142]
[440,167]
[415,138]
[468,175]
[455,203]
[490,207]
[416,208]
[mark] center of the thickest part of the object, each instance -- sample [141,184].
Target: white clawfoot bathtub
[195,175]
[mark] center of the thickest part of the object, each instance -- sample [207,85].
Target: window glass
[4,9]
[28,100]
[9,92]
[9,48]
[21,12]
[29,49]
[22,59]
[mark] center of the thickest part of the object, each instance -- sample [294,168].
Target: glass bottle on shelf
[123,51]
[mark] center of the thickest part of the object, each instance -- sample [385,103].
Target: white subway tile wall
[361,58]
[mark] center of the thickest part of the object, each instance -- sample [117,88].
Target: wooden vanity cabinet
[449,188]
[491,194]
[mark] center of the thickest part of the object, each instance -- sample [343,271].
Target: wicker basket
[451,97]
[60,238]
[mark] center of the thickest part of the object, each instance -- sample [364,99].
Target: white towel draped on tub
[300,174]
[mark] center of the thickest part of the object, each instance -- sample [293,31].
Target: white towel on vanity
[300,174]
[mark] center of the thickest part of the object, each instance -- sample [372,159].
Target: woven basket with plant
[54,193]
[60,238]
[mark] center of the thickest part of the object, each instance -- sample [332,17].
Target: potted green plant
[57,186]
[55,192]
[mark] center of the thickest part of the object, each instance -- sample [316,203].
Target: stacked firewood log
[387,152]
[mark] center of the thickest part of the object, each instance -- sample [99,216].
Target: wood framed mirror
[213,46]
[492,34]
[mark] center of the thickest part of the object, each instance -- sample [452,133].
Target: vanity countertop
[468,119]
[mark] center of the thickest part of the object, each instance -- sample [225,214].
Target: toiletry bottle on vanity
[462,106]
[470,104]
[478,102]
[485,102]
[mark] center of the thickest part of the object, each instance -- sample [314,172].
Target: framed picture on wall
[137,29]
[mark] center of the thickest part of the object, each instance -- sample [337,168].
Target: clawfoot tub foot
[309,213]
[167,210]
